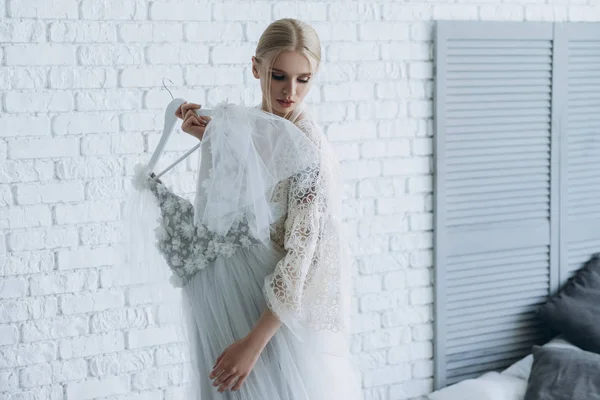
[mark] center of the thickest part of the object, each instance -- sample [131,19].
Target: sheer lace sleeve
[308,290]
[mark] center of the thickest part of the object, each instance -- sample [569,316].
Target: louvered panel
[497,202]
[466,173]
[499,319]
[498,281]
[477,84]
[523,214]
[502,336]
[474,271]
[579,171]
[584,190]
[507,121]
[583,185]
[508,288]
[516,166]
[493,194]
[498,48]
[486,327]
[512,187]
[502,341]
[494,133]
[511,305]
[492,301]
[502,45]
[585,124]
[517,183]
[489,128]
[475,368]
[585,110]
[522,75]
[468,318]
[516,105]
[489,357]
[500,141]
[587,101]
[580,253]
[583,97]
[501,61]
[523,88]
[499,153]
[460,200]
[469,368]
[494,354]
[581,159]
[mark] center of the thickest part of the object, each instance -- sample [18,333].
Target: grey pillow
[575,310]
[563,374]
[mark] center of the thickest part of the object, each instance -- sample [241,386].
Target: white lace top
[306,282]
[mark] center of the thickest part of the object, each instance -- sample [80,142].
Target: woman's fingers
[192,113]
[194,127]
[222,378]
[184,108]
[179,113]
[239,383]
[190,122]
[228,382]
[218,360]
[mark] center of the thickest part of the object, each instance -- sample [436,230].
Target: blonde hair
[283,35]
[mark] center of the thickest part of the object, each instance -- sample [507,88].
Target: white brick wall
[81,99]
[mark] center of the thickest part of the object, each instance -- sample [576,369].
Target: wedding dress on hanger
[263,231]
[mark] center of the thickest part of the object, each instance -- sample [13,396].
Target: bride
[270,307]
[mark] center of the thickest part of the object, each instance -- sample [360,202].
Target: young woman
[276,326]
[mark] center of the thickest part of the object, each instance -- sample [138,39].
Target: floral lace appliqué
[189,248]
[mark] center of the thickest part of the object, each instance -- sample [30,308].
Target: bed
[565,368]
[510,384]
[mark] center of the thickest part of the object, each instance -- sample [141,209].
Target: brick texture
[81,101]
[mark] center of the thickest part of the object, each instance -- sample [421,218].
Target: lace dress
[230,279]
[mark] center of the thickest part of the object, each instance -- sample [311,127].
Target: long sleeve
[288,283]
[308,288]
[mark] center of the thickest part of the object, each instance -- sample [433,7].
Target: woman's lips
[285,103]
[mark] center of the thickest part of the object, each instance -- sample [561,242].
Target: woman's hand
[192,123]
[236,363]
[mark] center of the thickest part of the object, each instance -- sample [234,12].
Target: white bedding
[490,386]
[510,384]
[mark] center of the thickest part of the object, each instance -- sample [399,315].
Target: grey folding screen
[580,145]
[517,128]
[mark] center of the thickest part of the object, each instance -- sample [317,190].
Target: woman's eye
[282,77]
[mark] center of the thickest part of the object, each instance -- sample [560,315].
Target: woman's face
[290,81]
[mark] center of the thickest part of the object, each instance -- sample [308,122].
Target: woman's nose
[290,89]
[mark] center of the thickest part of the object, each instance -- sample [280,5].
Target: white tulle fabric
[264,231]
[249,151]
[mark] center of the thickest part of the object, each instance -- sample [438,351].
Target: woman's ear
[255,68]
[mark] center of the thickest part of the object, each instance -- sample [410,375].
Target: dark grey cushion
[563,374]
[575,310]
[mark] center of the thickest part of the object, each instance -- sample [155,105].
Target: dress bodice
[187,247]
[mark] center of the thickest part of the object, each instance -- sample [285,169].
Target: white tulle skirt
[225,301]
